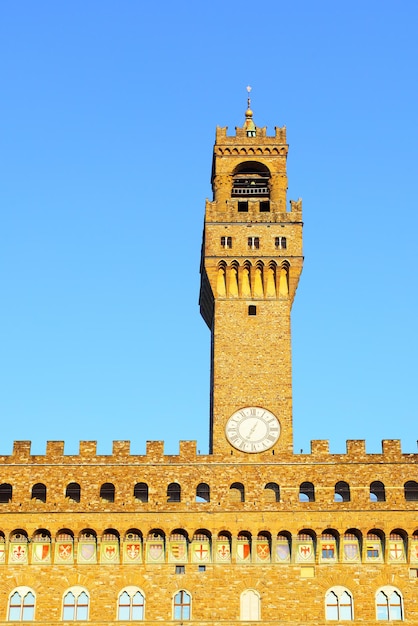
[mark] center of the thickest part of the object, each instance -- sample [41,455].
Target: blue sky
[108,113]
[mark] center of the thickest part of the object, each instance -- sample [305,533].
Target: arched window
[273,491]
[75,606]
[73,492]
[251,178]
[141,492]
[203,493]
[411,491]
[39,492]
[342,492]
[389,605]
[306,492]
[339,604]
[21,605]
[182,605]
[237,492]
[173,492]
[250,605]
[377,491]
[5,493]
[131,605]
[107,492]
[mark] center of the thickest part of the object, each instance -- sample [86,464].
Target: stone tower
[251,263]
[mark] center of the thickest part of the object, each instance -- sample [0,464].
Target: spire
[249,125]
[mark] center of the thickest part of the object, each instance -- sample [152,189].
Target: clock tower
[251,263]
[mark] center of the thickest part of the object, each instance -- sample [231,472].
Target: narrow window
[39,492]
[306,492]
[5,493]
[265,206]
[173,492]
[141,492]
[274,490]
[411,491]
[107,492]
[342,492]
[389,605]
[237,492]
[203,493]
[182,601]
[73,492]
[226,242]
[280,243]
[252,309]
[250,605]
[377,491]
[254,243]
[242,206]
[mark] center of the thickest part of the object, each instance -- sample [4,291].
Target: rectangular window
[202,568]
[252,309]
[265,206]
[226,242]
[280,243]
[243,206]
[254,243]
[180,569]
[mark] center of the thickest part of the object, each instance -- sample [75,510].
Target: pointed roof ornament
[249,125]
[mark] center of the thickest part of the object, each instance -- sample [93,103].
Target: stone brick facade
[240,534]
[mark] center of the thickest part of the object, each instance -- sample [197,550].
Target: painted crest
[155,551]
[243,551]
[19,552]
[283,552]
[40,551]
[87,551]
[201,552]
[305,551]
[2,553]
[223,552]
[133,550]
[396,552]
[351,551]
[178,551]
[263,551]
[110,552]
[65,551]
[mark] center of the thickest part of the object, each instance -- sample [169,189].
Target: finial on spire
[249,125]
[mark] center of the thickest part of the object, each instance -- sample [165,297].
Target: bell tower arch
[250,268]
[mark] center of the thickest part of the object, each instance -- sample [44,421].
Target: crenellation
[88,449]
[54,449]
[121,449]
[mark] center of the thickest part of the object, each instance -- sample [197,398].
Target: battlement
[121,453]
[260,137]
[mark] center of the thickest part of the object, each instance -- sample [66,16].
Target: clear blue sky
[108,113]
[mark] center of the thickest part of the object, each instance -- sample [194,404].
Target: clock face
[252,429]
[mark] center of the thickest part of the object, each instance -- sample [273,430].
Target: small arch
[283,546]
[18,536]
[203,492]
[141,492]
[398,545]
[131,604]
[156,534]
[41,536]
[250,605]
[73,492]
[21,605]
[173,492]
[88,534]
[133,534]
[237,492]
[284,280]
[221,279]
[342,492]
[306,492]
[411,491]
[377,491]
[107,492]
[352,545]
[6,492]
[306,546]
[244,546]
[179,534]
[272,491]
[110,534]
[39,492]
[329,545]
[375,545]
